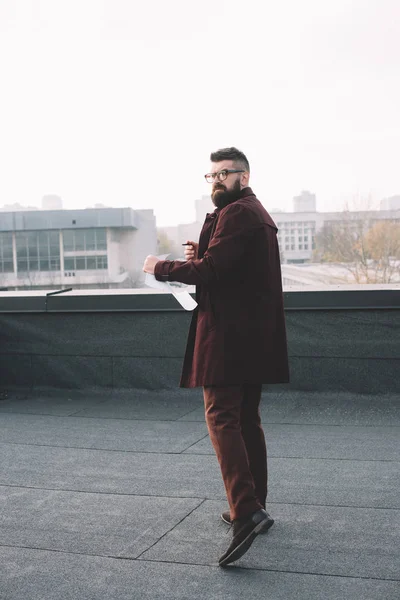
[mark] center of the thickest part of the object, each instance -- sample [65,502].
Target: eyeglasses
[221,175]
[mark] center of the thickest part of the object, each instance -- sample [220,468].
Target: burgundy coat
[237,334]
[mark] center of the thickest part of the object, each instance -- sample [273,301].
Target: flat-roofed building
[89,248]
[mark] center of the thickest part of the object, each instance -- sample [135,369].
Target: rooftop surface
[117,495]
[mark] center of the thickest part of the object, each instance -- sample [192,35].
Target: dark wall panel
[355,350]
[95,334]
[71,372]
[353,333]
[15,371]
[150,373]
[366,376]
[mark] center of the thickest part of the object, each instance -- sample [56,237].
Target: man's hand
[150,263]
[191,250]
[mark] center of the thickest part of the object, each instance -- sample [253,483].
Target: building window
[38,251]
[80,262]
[292,247]
[300,246]
[300,238]
[102,262]
[69,264]
[306,238]
[91,262]
[85,263]
[6,253]
[77,240]
[305,246]
[287,247]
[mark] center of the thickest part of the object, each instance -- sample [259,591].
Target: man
[237,338]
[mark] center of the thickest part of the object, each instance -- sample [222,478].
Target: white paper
[184,298]
[152,282]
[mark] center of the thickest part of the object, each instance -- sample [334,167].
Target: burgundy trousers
[234,424]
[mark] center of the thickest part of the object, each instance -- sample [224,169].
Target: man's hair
[231,154]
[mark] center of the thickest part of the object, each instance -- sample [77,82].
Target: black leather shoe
[226,517]
[244,533]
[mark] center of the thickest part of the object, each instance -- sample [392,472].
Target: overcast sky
[121,101]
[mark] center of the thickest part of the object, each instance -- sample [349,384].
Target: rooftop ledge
[334,297]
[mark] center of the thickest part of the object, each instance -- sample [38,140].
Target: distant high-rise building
[203,206]
[392,203]
[52,202]
[306,202]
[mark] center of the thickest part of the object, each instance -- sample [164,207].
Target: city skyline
[358,204]
[120,103]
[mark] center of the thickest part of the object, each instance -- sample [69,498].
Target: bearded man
[237,337]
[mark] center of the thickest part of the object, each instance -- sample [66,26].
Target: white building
[392,203]
[87,248]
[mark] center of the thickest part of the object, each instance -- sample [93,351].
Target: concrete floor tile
[323,408]
[98,524]
[167,405]
[351,542]
[107,434]
[41,575]
[293,480]
[323,441]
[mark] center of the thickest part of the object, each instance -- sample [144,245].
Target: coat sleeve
[228,245]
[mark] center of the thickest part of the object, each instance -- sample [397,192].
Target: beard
[221,196]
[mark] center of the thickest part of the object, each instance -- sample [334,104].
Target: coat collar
[247,191]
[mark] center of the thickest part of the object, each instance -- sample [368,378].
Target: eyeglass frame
[218,173]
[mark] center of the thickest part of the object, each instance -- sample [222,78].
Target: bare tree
[369,250]
[383,244]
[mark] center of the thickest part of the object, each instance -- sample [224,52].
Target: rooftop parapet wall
[339,339]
